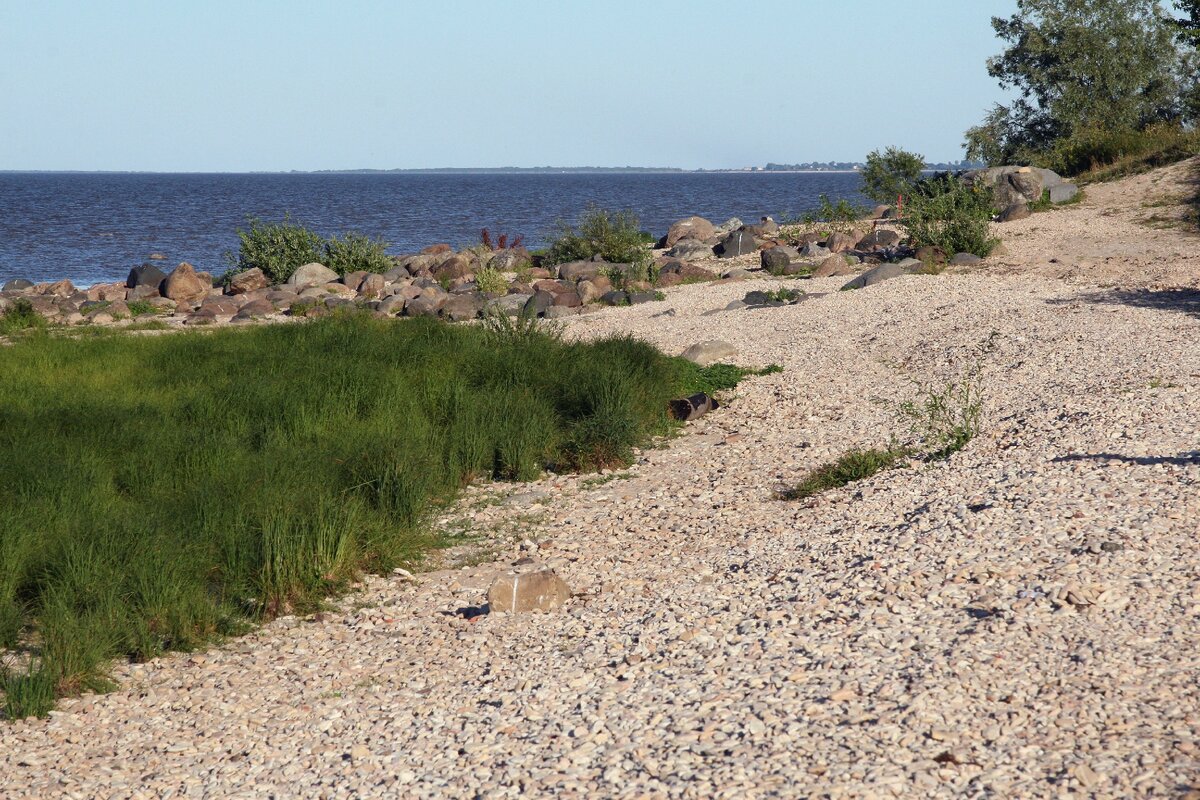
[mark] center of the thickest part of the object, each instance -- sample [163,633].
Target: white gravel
[1018,621]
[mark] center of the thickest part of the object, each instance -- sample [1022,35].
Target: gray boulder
[462,307]
[814,250]
[1014,212]
[579,270]
[884,272]
[145,275]
[535,589]
[18,285]
[727,227]
[964,260]
[775,259]
[689,249]
[312,275]
[710,352]
[878,240]
[510,305]
[1063,193]
[737,243]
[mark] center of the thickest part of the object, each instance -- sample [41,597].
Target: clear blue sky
[316,84]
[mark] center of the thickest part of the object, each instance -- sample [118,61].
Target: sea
[93,227]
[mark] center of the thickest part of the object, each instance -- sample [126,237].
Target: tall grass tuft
[157,492]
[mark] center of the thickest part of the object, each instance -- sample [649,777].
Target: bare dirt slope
[1019,620]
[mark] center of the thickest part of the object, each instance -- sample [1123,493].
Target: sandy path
[1018,621]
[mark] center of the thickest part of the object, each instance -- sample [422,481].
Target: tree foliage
[890,173]
[1080,65]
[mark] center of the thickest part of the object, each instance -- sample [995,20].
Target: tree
[891,173]
[1188,27]
[1079,65]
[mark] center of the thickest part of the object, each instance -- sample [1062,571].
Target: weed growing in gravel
[491,281]
[944,419]
[27,694]
[718,377]
[784,295]
[139,307]
[853,466]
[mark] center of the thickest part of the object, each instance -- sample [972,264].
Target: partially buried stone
[535,590]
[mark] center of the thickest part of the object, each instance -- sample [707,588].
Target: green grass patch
[718,377]
[853,466]
[20,318]
[157,492]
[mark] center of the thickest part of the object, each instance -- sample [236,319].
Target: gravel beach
[1020,620]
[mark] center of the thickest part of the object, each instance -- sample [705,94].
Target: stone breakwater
[441,282]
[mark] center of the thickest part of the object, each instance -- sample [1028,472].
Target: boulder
[557,312]
[879,239]
[530,589]
[736,274]
[183,284]
[930,255]
[965,259]
[1014,212]
[636,298]
[255,309]
[18,285]
[615,298]
[371,286]
[510,305]
[710,352]
[776,259]
[737,243]
[425,305]
[250,280]
[463,307]
[879,212]
[814,250]
[1063,193]
[311,275]
[765,228]
[690,249]
[570,299]
[456,266]
[579,270]
[686,409]
[107,291]
[436,249]
[727,227]
[884,272]
[396,273]
[839,242]
[831,266]
[590,291]
[63,288]
[694,228]
[145,275]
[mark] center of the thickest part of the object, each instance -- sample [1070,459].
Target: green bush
[354,252]
[614,236]
[944,212]
[278,249]
[200,492]
[840,216]
[890,174]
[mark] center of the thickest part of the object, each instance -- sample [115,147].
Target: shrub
[613,236]
[491,281]
[278,249]
[354,252]
[891,173]
[840,216]
[944,212]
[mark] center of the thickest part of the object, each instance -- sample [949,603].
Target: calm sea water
[94,227]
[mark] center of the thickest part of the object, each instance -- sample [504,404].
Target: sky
[168,85]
